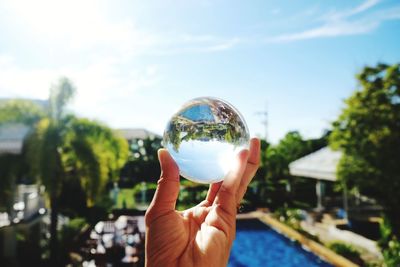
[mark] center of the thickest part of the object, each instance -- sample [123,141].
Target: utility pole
[264,121]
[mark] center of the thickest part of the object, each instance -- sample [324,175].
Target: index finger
[252,165]
[226,197]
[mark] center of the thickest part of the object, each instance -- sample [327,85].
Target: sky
[134,63]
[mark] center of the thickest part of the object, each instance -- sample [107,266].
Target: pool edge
[318,249]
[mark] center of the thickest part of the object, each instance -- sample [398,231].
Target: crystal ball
[203,138]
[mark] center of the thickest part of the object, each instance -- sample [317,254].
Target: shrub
[389,244]
[391,254]
[347,251]
[291,217]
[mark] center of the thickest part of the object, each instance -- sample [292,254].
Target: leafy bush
[347,251]
[344,249]
[291,217]
[389,244]
[391,254]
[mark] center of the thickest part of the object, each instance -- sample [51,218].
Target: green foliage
[289,216]
[191,194]
[74,227]
[74,148]
[143,165]
[71,230]
[94,154]
[126,199]
[129,197]
[389,244]
[368,132]
[346,250]
[391,254]
[271,180]
[62,149]
[289,148]
[20,111]
[145,190]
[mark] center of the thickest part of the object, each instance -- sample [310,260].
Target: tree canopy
[62,149]
[272,178]
[368,132]
[20,111]
[291,147]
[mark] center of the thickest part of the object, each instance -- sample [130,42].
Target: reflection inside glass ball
[204,136]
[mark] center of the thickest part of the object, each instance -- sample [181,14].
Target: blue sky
[135,62]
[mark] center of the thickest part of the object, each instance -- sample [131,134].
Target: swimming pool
[258,245]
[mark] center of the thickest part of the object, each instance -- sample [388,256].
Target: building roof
[321,165]
[137,133]
[12,137]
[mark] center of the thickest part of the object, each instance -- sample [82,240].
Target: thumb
[167,192]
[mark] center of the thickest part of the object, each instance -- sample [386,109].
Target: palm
[189,235]
[202,235]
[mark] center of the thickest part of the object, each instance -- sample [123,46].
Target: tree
[290,147]
[62,148]
[368,132]
[20,111]
[273,175]
[143,165]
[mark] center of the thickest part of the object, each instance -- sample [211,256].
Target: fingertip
[164,156]
[168,165]
[243,155]
[255,143]
[161,151]
[254,154]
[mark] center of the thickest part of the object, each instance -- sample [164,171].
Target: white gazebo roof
[321,165]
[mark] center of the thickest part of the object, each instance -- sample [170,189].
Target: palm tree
[62,147]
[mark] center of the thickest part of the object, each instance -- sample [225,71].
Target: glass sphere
[203,138]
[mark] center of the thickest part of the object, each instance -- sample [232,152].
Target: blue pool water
[258,245]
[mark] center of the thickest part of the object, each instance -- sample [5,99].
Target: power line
[264,121]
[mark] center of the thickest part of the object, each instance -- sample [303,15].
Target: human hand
[202,235]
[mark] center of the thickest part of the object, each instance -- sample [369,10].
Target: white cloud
[338,15]
[86,27]
[328,30]
[81,26]
[347,22]
[223,45]
[100,85]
